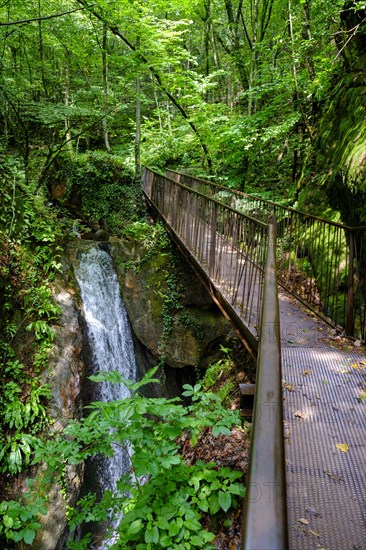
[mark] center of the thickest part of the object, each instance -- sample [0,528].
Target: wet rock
[101,235]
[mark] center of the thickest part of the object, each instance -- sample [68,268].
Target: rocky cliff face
[187,337]
[342,129]
[64,376]
[197,329]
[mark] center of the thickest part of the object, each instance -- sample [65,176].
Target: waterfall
[110,341]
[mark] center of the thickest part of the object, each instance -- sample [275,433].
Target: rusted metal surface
[228,245]
[265,517]
[237,255]
[320,262]
[247,392]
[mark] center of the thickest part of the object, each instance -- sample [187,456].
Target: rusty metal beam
[265,516]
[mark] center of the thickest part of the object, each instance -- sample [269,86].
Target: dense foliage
[30,236]
[266,96]
[30,239]
[233,89]
[162,498]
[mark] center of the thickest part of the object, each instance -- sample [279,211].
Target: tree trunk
[138,192]
[236,50]
[307,36]
[40,46]
[253,60]
[67,90]
[105,88]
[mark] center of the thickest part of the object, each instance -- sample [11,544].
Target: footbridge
[293,285]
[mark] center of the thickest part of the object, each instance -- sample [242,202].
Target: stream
[111,345]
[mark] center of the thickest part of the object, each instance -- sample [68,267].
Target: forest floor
[231,451]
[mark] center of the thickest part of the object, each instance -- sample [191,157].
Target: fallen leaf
[310,510]
[363,393]
[288,387]
[344,447]
[300,414]
[304,521]
[307,372]
[313,533]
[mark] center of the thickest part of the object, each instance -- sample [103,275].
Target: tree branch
[22,21]
[116,31]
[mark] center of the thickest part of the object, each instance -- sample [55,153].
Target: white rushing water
[110,341]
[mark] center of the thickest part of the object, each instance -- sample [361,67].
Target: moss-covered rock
[178,322]
[342,129]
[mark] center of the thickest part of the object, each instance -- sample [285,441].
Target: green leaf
[114,377]
[28,535]
[152,535]
[173,529]
[217,430]
[203,505]
[214,504]
[134,527]
[224,500]
[192,524]
[165,541]
[162,523]
[8,521]
[197,540]
[168,461]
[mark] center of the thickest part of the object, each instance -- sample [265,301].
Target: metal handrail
[265,516]
[273,205]
[265,521]
[321,262]
[228,244]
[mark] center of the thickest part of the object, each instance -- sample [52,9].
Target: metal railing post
[213,223]
[314,248]
[350,286]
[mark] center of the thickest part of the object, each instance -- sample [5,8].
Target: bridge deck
[324,406]
[324,399]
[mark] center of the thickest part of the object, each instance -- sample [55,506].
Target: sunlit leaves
[162,497]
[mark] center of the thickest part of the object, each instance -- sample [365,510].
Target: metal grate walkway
[324,407]
[324,404]
[324,385]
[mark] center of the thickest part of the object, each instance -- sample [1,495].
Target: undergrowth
[30,244]
[162,498]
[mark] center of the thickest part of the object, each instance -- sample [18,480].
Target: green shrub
[162,498]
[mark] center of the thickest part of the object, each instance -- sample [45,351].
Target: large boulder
[188,336]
